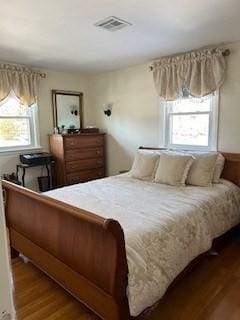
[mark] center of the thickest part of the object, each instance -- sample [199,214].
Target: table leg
[48,174]
[23,177]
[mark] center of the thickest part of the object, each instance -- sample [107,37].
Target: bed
[108,259]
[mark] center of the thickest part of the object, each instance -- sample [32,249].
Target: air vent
[112,24]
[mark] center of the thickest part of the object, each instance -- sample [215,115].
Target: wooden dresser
[78,157]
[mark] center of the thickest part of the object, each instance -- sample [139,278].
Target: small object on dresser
[73,130]
[64,130]
[55,130]
[90,130]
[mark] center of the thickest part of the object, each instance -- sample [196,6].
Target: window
[18,125]
[191,123]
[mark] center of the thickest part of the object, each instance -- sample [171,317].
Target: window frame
[213,126]
[34,131]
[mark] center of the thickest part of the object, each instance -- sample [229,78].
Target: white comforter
[165,227]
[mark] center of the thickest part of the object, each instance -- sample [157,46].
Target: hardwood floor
[211,291]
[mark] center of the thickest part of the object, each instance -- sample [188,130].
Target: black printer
[39,158]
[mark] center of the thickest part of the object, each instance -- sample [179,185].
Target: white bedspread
[165,227]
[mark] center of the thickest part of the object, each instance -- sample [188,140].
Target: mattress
[165,227]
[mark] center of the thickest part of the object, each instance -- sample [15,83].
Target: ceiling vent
[112,24]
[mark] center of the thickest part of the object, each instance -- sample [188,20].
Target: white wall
[135,113]
[54,80]
[135,116]
[229,122]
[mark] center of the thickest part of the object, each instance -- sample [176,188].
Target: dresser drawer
[87,153]
[85,175]
[76,142]
[73,166]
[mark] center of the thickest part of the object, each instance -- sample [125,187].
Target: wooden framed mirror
[67,110]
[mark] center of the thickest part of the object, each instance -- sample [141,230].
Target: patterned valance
[22,80]
[201,72]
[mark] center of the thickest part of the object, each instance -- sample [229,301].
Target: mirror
[67,110]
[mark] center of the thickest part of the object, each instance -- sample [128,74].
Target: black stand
[22,166]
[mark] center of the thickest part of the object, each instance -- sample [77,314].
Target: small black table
[26,166]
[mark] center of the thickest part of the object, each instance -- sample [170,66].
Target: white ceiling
[60,34]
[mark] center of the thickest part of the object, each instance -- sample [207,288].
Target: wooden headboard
[231,169]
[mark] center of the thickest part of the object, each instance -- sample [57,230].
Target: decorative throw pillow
[173,169]
[144,165]
[218,168]
[202,169]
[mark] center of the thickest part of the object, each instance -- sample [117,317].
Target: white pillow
[173,168]
[218,168]
[202,169]
[144,165]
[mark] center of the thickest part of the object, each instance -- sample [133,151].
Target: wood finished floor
[211,291]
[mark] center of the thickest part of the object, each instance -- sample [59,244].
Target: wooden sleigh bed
[83,252]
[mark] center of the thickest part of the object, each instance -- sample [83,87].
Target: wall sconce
[108,109]
[74,110]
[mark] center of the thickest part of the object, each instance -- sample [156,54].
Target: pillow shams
[202,169]
[218,166]
[144,165]
[173,169]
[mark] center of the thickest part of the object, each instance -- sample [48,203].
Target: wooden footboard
[83,252]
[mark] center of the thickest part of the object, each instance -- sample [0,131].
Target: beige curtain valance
[22,80]
[201,72]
